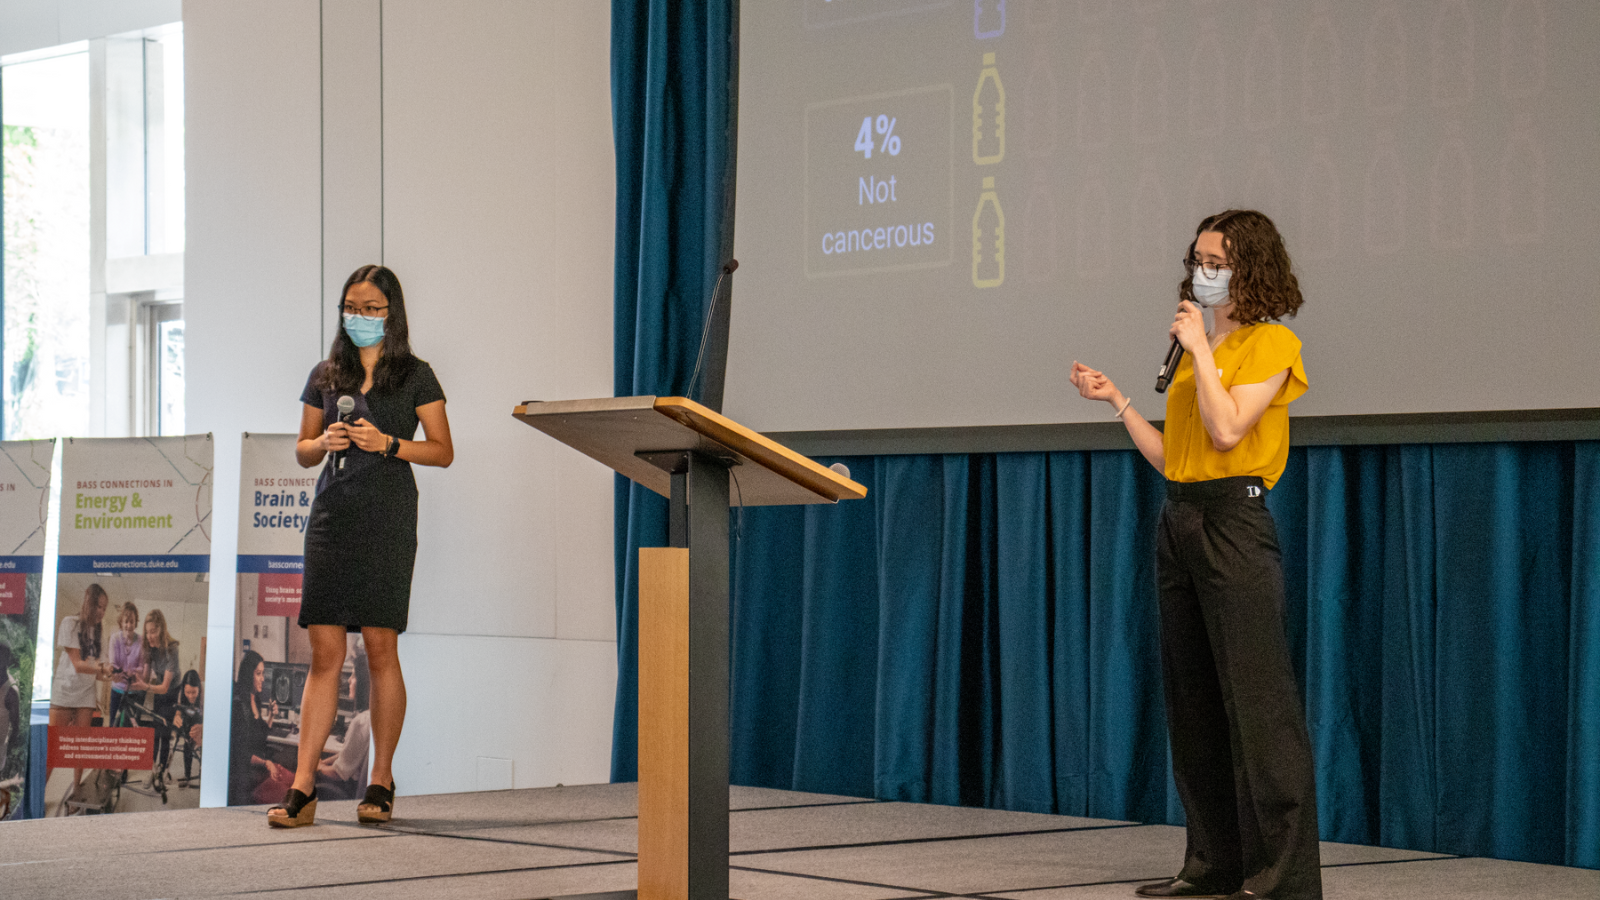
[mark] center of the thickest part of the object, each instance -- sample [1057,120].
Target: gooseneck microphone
[346,405]
[705,332]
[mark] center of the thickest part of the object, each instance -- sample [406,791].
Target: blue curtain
[673,67]
[981,631]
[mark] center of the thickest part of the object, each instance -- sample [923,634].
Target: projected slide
[942,203]
[891,214]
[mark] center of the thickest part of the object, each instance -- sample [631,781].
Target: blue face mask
[364,331]
[1209,292]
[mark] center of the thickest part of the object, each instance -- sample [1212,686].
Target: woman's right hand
[334,439]
[1092,384]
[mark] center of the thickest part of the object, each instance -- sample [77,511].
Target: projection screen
[943,203]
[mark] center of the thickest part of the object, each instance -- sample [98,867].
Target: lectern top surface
[616,430]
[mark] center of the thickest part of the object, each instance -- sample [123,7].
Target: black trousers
[1240,751]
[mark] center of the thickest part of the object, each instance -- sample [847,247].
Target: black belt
[1239,487]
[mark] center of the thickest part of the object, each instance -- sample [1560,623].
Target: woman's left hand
[366,435]
[1189,327]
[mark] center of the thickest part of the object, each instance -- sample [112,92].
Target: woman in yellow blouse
[1240,752]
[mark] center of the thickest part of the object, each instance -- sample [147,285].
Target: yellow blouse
[1250,355]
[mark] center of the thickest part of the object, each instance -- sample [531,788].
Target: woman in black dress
[361,542]
[249,761]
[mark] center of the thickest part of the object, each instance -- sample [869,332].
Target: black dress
[249,738]
[361,542]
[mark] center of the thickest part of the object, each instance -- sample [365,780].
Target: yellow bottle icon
[988,239]
[989,105]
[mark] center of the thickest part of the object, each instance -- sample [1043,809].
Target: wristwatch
[393,448]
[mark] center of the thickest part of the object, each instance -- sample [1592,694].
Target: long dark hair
[192,677]
[1263,285]
[342,372]
[244,685]
[89,635]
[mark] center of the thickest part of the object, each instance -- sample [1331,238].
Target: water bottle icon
[988,19]
[1452,46]
[989,116]
[1320,206]
[1264,190]
[1042,17]
[1384,204]
[1205,191]
[1319,72]
[1386,62]
[1522,49]
[1150,93]
[1522,185]
[1263,86]
[988,239]
[1451,210]
[1094,101]
[1041,233]
[1150,235]
[1093,10]
[1041,107]
[1208,81]
[1093,256]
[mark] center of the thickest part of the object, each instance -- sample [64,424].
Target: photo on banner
[126,704]
[272,653]
[24,515]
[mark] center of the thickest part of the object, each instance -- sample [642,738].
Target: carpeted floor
[573,840]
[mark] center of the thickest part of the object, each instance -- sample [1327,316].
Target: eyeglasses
[1208,269]
[373,312]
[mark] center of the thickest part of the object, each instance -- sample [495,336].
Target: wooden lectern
[698,459]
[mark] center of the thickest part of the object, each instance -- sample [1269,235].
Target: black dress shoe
[1176,887]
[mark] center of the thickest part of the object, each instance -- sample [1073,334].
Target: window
[46,166]
[160,368]
[94,237]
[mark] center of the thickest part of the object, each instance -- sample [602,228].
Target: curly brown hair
[1263,285]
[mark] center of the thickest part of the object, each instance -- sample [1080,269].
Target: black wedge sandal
[297,809]
[381,799]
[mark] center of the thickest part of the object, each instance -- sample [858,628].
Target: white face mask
[1209,292]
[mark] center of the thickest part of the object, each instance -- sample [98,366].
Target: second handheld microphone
[346,405]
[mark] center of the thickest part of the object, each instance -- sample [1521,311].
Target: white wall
[27,25]
[468,146]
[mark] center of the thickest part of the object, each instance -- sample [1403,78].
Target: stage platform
[572,840]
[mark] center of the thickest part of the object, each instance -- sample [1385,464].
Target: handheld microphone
[1169,367]
[346,405]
